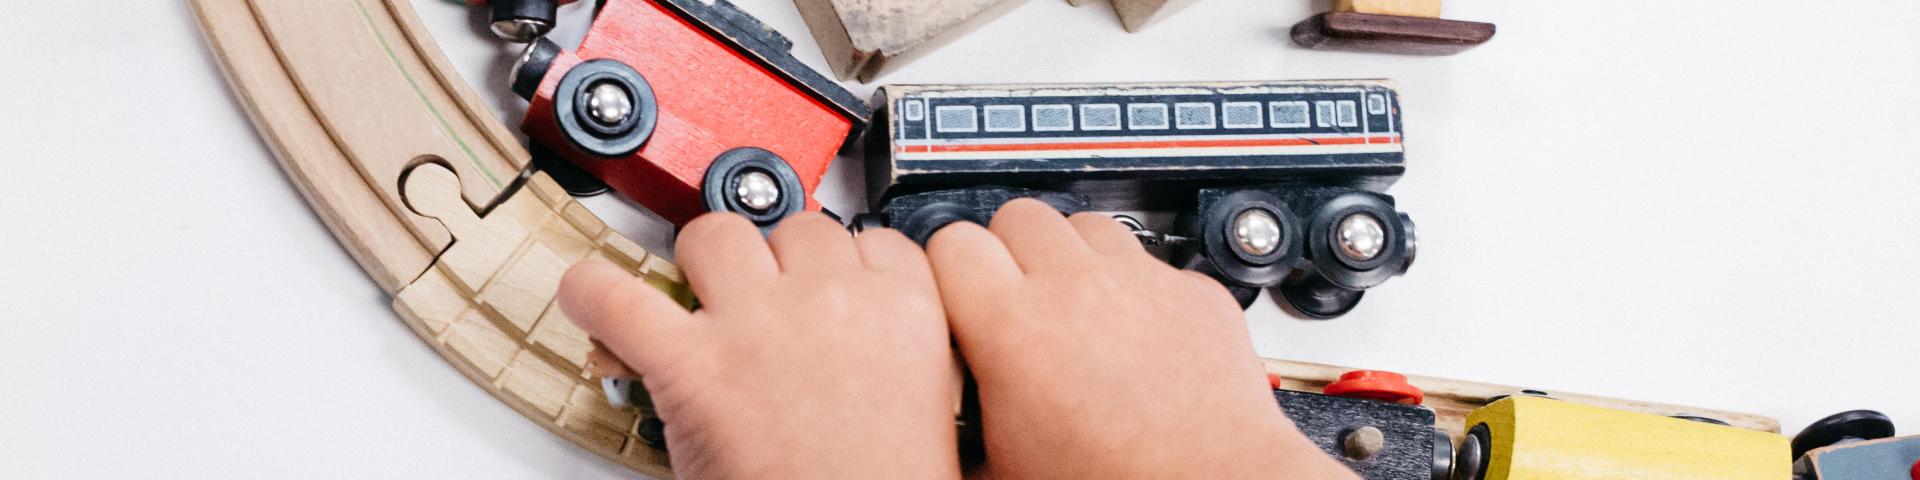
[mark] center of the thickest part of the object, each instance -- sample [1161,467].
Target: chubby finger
[811,242]
[972,269]
[1106,236]
[1037,236]
[886,249]
[638,323]
[723,253]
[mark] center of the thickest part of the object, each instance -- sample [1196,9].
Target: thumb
[639,323]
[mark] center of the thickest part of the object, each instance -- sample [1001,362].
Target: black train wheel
[1319,299]
[1841,427]
[605,108]
[571,177]
[1248,238]
[924,221]
[1245,295]
[754,183]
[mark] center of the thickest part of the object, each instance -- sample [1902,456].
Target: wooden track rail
[394,152]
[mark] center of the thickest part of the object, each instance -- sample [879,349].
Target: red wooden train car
[687,107]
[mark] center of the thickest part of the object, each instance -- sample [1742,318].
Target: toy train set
[1274,184]
[1374,423]
[1277,184]
[687,107]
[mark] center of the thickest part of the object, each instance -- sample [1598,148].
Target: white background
[1707,203]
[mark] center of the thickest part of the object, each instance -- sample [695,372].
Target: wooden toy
[1453,400]
[433,198]
[1404,8]
[1278,183]
[687,107]
[1855,445]
[1410,27]
[1137,15]
[1377,438]
[1882,459]
[864,39]
[1526,437]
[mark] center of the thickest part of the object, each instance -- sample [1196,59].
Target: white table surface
[1703,203]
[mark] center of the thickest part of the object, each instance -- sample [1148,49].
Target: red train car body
[714,86]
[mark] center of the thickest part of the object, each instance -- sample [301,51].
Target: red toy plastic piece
[1916,471]
[1273,380]
[482,3]
[1376,385]
[711,99]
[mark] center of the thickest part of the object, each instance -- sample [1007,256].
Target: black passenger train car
[1278,184]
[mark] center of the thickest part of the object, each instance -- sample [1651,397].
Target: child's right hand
[1096,360]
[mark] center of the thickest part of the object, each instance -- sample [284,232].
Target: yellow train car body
[1535,438]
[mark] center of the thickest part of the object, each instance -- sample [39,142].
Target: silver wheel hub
[1257,232]
[609,104]
[757,190]
[1361,237]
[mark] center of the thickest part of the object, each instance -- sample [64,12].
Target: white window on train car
[1241,115]
[1193,116]
[1288,114]
[956,119]
[1053,118]
[1100,117]
[1349,113]
[1323,113]
[1146,116]
[1006,118]
[1376,104]
[914,110]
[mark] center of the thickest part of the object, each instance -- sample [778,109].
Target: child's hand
[1096,360]
[814,355]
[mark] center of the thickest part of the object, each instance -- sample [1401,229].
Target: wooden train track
[393,150]
[431,195]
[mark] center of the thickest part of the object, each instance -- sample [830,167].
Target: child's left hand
[814,355]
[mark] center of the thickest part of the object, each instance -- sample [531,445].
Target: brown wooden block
[1136,15]
[1405,8]
[1390,34]
[865,38]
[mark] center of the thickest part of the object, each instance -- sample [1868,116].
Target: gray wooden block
[1136,15]
[863,39]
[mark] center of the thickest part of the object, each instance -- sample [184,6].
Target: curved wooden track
[385,141]
[393,151]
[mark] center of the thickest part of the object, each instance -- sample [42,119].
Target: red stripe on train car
[1264,142]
